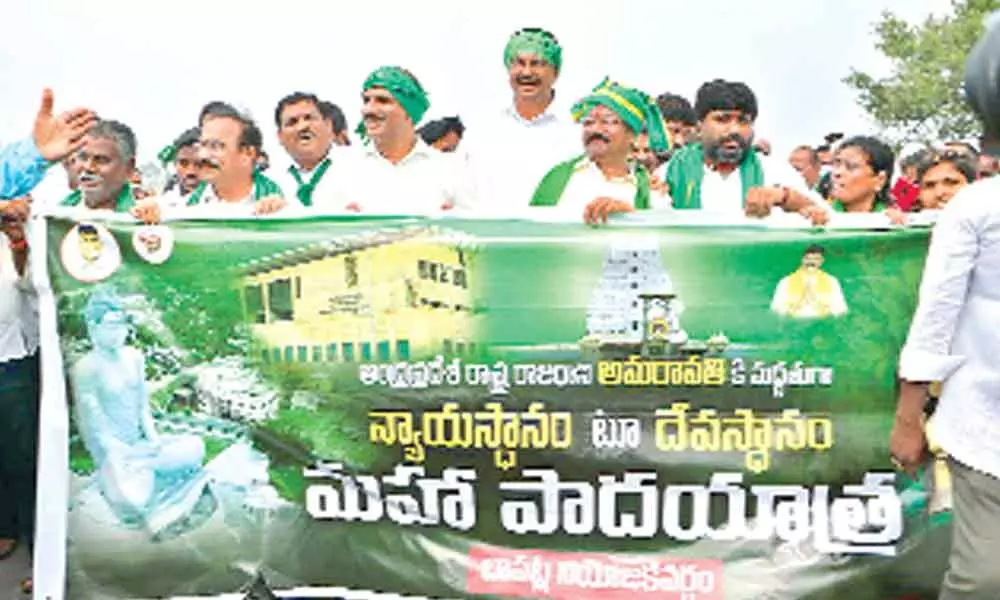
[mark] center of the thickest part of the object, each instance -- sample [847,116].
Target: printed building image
[389,295]
[632,267]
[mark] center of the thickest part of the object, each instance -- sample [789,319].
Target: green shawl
[686,170]
[262,188]
[550,190]
[877,207]
[123,203]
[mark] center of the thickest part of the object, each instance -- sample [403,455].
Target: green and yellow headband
[636,109]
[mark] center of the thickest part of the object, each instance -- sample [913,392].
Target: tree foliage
[923,97]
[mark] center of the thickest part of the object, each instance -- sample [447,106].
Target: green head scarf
[539,42]
[637,109]
[403,87]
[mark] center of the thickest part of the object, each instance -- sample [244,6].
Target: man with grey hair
[105,164]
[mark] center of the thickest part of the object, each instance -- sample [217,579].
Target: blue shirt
[21,169]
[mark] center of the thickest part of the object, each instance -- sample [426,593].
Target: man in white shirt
[306,132]
[809,292]
[722,173]
[19,383]
[396,172]
[511,151]
[954,339]
[231,184]
[604,180]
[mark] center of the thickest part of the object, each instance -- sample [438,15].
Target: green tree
[923,97]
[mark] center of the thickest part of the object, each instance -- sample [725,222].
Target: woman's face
[855,183]
[111,332]
[939,184]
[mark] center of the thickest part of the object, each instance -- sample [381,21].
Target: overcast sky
[153,65]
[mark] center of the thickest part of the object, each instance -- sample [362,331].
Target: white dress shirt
[18,307]
[325,190]
[588,183]
[723,194]
[510,154]
[422,183]
[955,333]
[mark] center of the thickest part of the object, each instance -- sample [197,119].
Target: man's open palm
[57,136]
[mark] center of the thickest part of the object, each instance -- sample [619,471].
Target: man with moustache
[183,153]
[396,172]
[809,292]
[511,151]
[306,132]
[106,164]
[228,148]
[722,173]
[603,181]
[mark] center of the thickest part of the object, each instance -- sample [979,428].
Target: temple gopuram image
[635,310]
[378,296]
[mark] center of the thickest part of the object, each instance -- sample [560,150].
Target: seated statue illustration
[809,292]
[149,480]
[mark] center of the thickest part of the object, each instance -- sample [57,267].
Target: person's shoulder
[980,199]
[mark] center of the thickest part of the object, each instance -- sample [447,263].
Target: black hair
[725,95]
[879,157]
[435,130]
[676,108]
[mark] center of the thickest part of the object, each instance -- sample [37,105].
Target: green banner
[495,409]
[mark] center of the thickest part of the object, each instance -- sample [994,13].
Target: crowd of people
[616,150]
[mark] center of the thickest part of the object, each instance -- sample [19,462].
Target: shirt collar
[586,164]
[549,116]
[419,150]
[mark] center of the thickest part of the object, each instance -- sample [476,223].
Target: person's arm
[22,167]
[927,356]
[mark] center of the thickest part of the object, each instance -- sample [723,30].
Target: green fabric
[637,109]
[403,87]
[306,189]
[262,188]
[879,206]
[686,170]
[168,154]
[533,41]
[552,186]
[123,203]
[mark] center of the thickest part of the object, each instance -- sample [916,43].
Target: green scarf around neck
[877,207]
[262,188]
[306,188]
[552,186]
[123,203]
[686,170]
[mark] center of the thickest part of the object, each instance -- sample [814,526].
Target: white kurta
[509,155]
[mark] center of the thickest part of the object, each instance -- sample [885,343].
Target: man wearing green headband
[396,172]
[512,149]
[604,180]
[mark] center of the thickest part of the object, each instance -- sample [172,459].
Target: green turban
[403,87]
[539,42]
[637,109]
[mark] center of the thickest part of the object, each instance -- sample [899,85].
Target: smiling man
[512,150]
[228,150]
[723,173]
[103,168]
[604,180]
[306,132]
[396,172]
